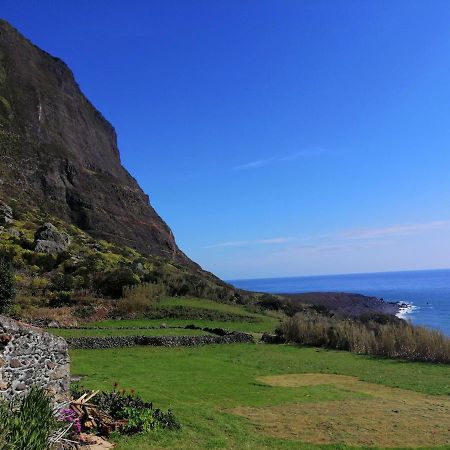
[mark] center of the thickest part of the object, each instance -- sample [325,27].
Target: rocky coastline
[349,304]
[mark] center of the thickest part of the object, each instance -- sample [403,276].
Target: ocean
[426,291]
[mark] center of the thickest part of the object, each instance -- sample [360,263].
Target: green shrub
[112,283]
[7,291]
[139,298]
[61,298]
[146,420]
[140,415]
[27,424]
[115,402]
[84,312]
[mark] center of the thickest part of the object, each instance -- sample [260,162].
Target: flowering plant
[70,416]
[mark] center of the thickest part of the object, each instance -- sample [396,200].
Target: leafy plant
[28,423]
[139,420]
[7,291]
[114,403]
[138,414]
[145,420]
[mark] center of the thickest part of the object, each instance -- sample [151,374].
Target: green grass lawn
[201,384]
[265,323]
[130,332]
[211,305]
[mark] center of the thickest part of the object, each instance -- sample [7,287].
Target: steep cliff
[59,154]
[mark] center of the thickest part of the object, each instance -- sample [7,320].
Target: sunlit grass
[202,384]
[127,332]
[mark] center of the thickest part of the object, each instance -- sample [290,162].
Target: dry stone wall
[157,341]
[29,356]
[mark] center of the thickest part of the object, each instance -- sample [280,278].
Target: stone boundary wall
[157,341]
[29,356]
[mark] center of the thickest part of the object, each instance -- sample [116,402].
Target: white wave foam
[405,310]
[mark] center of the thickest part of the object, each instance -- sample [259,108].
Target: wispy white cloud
[278,240]
[395,230]
[274,159]
[304,153]
[405,246]
[271,241]
[255,164]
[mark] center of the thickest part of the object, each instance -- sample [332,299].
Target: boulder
[48,239]
[6,214]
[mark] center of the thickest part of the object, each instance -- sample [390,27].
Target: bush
[140,414]
[112,283]
[389,339]
[145,420]
[139,298]
[7,291]
[268,301]
[84,312]
[28,424]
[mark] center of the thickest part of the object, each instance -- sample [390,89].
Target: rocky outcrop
[48,239]
[59,154]
[6,214]
[29,356]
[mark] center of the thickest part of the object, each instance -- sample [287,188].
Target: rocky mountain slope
[58,154]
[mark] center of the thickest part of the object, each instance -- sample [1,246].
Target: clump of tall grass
[392,340]
[27,424]
[139,298]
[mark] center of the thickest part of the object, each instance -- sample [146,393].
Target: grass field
[223,399]
[130,332]
[265,323]
[200,303]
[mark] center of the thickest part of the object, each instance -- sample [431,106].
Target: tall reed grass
[139,298]
[393,340]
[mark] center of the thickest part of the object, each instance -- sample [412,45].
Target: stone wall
[164,341]
[29,356]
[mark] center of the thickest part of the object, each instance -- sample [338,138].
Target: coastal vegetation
[296,396]
[372,335]
[210,389]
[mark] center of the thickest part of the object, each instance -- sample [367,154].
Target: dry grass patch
[389,418]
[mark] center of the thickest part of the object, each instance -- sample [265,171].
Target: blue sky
[276,138]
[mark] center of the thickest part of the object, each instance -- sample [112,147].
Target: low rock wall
[157,341]
[30,356]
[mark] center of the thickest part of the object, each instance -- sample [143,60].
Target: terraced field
[244,396]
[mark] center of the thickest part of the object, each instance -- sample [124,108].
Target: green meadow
[204,385]
[68,333]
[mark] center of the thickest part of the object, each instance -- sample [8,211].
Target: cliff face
[59,154]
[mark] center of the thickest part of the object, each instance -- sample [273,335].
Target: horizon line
[228,280]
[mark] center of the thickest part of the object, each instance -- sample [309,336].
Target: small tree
[7,291]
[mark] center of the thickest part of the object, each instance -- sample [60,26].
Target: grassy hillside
[91,270]
[180,312]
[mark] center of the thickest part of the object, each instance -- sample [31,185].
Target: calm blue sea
[427,291]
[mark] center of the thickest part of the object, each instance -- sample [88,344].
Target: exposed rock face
[59,154]
[29,356]
[6,214]
[49,240]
